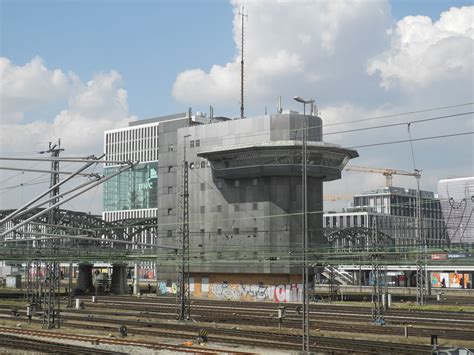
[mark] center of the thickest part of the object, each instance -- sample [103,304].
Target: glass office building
[134,189]
[133,193]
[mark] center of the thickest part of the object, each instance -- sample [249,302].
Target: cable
[414,140]
[401,114]
[400,123]
[260,134]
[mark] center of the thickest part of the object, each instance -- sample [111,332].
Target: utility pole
[377,291]
[421,277]
[184,307]
[51,307]
[242,15]
[304,189]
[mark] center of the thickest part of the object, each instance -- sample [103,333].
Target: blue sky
[147,42]
[72,69]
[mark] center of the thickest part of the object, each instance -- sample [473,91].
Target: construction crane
[388,173]
[337,197]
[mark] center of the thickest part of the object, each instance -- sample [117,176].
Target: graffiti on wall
[167,290]
[258,292]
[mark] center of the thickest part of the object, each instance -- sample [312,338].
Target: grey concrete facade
[245,189]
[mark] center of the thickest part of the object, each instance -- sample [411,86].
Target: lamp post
[305,227]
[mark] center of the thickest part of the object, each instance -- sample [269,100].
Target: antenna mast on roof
[242,15]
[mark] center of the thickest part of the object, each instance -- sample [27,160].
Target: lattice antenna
[242,15]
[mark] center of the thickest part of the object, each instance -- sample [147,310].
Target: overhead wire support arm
[46,171]
[87,188]
[17,212]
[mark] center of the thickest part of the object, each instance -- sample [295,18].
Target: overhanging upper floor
[278,158]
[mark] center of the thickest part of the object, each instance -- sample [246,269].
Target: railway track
[7,331]
[261,340]
[349,313]
[100,311]
[140,316]
[9,341]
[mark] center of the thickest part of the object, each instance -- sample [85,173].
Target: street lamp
[305,227]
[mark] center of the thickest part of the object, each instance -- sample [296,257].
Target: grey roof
[157,119]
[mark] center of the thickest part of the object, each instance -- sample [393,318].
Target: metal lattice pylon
[51,290]
[183,292]
[377,277]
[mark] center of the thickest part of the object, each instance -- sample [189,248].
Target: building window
[341,221]
[170,189]
[203,186]
[356,221]
[170,148]
[236,183]
[255,182]
[170,168]
[170,211]
[169,233]
[236,231]
[236,207]
[191,144]
[203,209]
[348,221]
[203,163]
[255,206]
[219,231]
[328,222]
[219,184]
[219,208]
[198,143]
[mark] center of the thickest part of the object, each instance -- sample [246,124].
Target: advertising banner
[458,280]
[440,279]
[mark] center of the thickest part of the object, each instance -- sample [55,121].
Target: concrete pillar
[136,284]
[119,279]
[84,279]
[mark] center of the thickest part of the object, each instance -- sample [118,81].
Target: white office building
[457,202]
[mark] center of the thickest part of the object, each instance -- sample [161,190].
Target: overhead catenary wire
[414,140]
[260,134]
[394,142]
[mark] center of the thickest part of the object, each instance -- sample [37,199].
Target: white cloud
[28,87]
[88,109]
[330,50]
[292,47]
[423,52]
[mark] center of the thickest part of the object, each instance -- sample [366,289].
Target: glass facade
[133,189]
